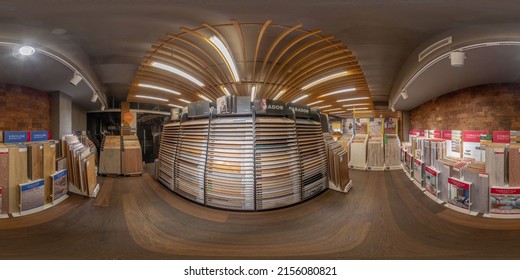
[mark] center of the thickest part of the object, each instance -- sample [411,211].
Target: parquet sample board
[278,176]
[337,163]
[358,151]
[131,156]
[168,154]
[17,174]
[376,153]
[4,179]
[313,157]
[191,160]
[110,155]
[230,180]
[514,165]
[479,189]
[392,150]
[49,167]
[90,173]
[495,164]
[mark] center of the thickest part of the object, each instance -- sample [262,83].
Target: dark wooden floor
[383,217]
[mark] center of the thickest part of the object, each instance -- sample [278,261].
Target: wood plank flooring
[384,216]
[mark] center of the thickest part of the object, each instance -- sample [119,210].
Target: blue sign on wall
[15,136]
[39,135]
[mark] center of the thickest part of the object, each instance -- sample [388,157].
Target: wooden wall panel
[49,167]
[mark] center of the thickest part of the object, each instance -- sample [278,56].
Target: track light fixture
[457,58]
[102,107]
[94,97]
[393,109]
[404,94]
[76,78]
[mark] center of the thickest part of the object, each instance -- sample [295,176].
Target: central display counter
[244,162]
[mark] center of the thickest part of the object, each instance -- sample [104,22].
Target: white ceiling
[108,38]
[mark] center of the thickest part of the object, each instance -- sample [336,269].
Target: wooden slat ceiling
[279,63]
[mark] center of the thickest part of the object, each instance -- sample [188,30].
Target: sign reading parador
[299,110]
[267,106]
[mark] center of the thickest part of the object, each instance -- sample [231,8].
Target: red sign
[417,162]
[421,133]
[446,134]
[501,137]
[505,190]
[472,135]
[431,171]
[458,183]
[437,134]
[408,155]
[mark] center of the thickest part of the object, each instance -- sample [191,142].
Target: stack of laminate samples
[313,157]
[278,177]
[13,172]
[495,164]
[230,165]
[376,154]
[191,160]
[110,155]
[337,159]
[131,156]
[168,154]
[81,163]
[514,165]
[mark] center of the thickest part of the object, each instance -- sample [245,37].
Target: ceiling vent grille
[435,46]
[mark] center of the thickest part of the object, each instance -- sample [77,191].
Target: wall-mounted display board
[168,154]
[81,171]
[375,153]
[390,126]
[504,201]
[348,126]
[358,152]
[313,156]
[514,165]
[495,164]
[431,181]
[514,136]
[32,195]
[471,144]
[376,127]
[418,172]
[408,166]
[392,151]
[361,126]
[230,164]
[191,160]
[459,194]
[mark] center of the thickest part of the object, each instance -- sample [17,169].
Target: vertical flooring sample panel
[90,173]
[4,179]
[392,150]
[35,161]
[49,167]
[514,165]
[131,156]
[479,190]
[495,164]
[17,175]
[376,153]
[110,156]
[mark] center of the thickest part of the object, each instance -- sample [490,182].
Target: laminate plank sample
[514,165]
[17,174]
[4,179]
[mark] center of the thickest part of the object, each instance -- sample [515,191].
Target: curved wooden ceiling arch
[279,61]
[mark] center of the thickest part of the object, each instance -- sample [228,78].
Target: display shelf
[229,172]
[110,155]
[313,157]
[392,152]
[337,159]
[278,177]
[168,154]
[131,156]
[376,154]
[191,160]
[358,152]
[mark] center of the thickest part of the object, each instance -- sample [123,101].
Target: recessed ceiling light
[314,103]
[227,56]
[176,72]
[324,79]
[26,50]
[326,106]
[184,100]
[357,104]
[204,97]
[158,88]
[59,31]
[279,94]
[173,105]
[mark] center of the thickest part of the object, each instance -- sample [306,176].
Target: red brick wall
[23,108]
[487,107]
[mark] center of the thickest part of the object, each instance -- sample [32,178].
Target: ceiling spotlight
[76,78]
[457,58]
[102,107]
[393,109]
[94,97]
[404,94]
[253,93]
[26,50]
